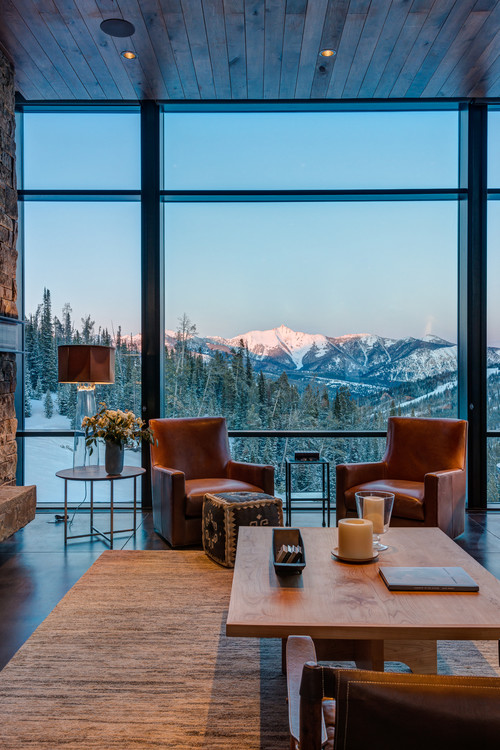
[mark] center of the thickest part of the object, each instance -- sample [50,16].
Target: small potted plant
[118,429]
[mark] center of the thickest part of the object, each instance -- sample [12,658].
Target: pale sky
[388,268]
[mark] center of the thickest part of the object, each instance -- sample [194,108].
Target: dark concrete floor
[36,570]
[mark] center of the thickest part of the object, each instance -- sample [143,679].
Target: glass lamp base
[85,407]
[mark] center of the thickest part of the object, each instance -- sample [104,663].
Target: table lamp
[86,365]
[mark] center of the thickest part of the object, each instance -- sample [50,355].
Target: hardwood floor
[36,570]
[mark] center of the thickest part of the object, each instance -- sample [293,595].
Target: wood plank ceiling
[254,49]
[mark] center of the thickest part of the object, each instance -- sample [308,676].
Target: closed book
[427,579]
[282,553]
[288,553]
[296,554]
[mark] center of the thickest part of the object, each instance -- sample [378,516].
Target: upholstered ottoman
[225,512]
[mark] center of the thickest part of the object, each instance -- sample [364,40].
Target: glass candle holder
[376,506]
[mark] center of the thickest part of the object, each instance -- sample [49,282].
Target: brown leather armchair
[190,457]
[424,466]
[366,709]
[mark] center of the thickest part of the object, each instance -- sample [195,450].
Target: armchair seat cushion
[408,497]
[196,489]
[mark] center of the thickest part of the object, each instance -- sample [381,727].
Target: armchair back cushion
[198,447]
[416,447]
[417,711]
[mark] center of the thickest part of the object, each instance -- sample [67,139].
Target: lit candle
[355,539]
[373,510]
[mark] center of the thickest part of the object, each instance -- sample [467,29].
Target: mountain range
[364,359]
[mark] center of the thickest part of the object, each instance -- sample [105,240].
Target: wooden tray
[288,536]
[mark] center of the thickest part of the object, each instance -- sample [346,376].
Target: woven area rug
[135,656]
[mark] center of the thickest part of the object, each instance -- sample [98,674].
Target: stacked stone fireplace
[17,504]
[8,261]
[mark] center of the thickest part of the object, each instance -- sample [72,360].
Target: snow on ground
[43,456]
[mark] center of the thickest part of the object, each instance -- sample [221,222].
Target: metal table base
[93,474]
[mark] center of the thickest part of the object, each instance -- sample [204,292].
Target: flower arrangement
[115,426]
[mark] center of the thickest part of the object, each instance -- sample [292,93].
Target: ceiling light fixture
[327,52]
[128,54]
[117,27]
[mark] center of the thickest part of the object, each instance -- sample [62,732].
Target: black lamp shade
[86,363]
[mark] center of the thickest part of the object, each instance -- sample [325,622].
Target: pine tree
[38,392]
[32,344]
[48,406]
[87,330]
[48,374]
[66,323]
[28,392]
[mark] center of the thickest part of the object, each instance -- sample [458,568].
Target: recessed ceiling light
[117,27]
[327,52]
[128,54]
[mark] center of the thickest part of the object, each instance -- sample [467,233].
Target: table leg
[288,521]
[420,656]
[91,507]
[65,511]
[328,491]
[323,497]
[111,517]
[369,655]
[135,501]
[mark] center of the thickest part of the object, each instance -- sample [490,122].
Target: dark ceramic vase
[113,460]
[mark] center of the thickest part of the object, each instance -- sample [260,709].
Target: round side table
[98,474]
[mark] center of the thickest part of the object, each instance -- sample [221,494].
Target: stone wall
[8,260]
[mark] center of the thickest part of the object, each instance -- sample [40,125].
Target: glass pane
[82,286]
[43,456]
[493,355]
[493,316]
[311,315]
[310,150]
[494,149]
[87,151]
[274,451]
[493,469]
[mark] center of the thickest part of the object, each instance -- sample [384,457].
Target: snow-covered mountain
[357,358]
[283,344]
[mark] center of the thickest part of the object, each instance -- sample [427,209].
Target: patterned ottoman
[225,512]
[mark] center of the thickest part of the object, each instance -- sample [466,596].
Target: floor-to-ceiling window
[493,308]
[82,261]
[310,272]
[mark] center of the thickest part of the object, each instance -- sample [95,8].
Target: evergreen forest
[228,384]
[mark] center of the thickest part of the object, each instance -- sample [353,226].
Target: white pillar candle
[355,539]
[373,510]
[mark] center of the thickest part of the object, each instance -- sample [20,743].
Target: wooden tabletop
[337,600]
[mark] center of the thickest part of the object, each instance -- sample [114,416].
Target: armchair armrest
[168,491]
[299,651]
[259,475]
[444,500]
[171,482]
[350,475]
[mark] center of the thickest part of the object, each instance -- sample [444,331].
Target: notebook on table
[427,579]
